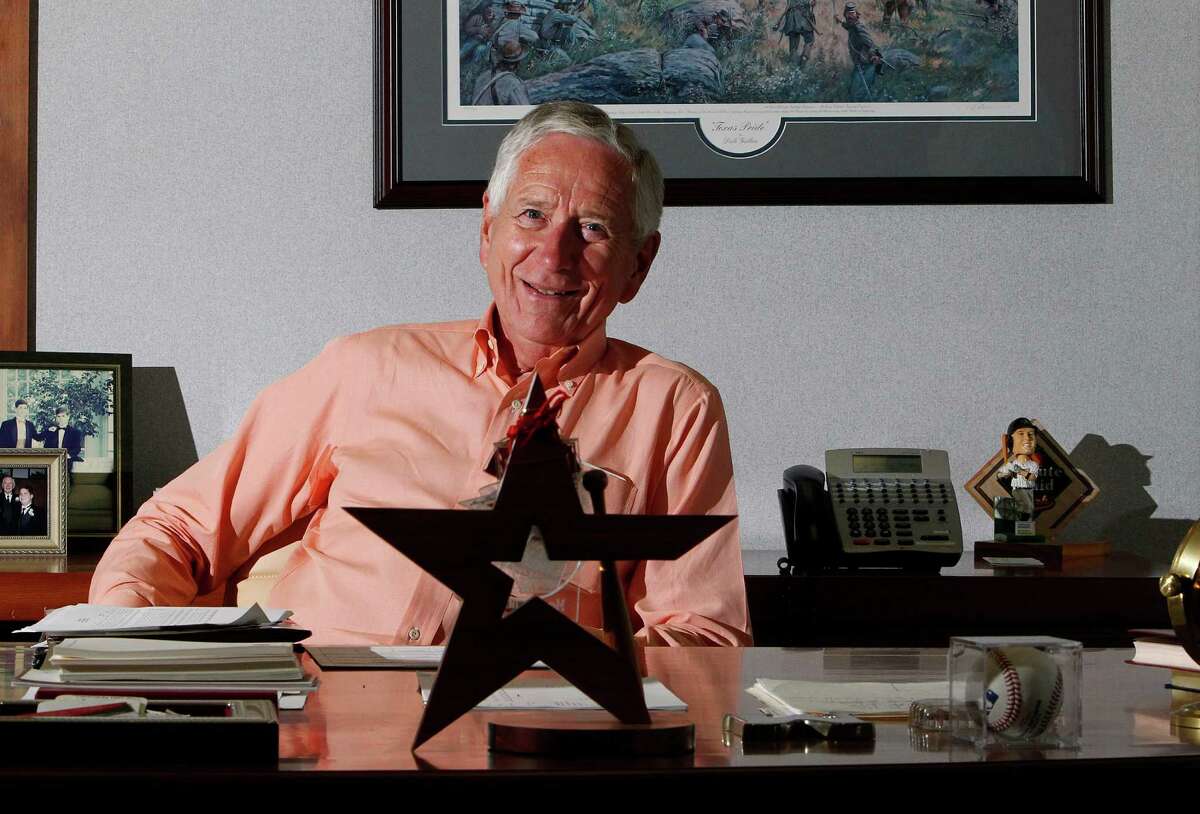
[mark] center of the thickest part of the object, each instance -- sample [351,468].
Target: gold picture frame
[43,474]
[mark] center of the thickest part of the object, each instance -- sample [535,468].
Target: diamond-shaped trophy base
[592,738]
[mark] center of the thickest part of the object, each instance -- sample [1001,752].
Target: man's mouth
[552,292]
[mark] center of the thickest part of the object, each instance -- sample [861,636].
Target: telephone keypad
[883,512]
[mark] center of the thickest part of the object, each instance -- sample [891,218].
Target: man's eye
[532,214]
[594,231]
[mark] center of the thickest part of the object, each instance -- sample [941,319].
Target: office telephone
[884,508]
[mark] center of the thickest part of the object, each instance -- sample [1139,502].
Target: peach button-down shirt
[407,416]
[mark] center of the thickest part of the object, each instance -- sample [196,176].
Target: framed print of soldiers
[408,415]
[798,22]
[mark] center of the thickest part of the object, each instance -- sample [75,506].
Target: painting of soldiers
[731,52]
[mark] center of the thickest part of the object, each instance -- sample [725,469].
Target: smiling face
[560,252]
[25,495]
[1024,441]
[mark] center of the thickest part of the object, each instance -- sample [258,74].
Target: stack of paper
[184,665]
[225,624]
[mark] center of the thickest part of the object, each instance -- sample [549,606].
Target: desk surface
[363,721]
[1095,600]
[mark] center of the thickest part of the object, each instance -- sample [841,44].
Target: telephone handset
[884,508]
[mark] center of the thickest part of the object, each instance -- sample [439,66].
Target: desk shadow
[163,444]
[1121,513]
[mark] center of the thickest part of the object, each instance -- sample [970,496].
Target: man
[477,32]
[902,8]
[557,27]
[514,27]
[408,415]
[19,432]
[9,504]
[866,61]
[699,36]
[798,22]
[30,520]
[61,435]
[502,86]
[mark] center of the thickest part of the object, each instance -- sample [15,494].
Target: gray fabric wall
[204,202]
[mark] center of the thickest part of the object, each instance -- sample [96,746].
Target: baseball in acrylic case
[1015,691]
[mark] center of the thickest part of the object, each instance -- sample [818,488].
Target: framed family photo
[75,405]
[33,494]
[749,102]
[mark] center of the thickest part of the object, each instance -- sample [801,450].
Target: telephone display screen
[867,464]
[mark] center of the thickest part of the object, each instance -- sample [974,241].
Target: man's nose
[563,247]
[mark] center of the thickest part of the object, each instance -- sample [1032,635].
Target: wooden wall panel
[16,232]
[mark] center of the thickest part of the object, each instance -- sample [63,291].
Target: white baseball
[1024,692]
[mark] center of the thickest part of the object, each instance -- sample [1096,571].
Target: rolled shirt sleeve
[198,530]
[699,599]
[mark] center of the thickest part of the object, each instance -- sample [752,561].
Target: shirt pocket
[620,494]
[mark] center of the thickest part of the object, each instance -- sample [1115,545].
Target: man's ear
[485,232]
[645,257]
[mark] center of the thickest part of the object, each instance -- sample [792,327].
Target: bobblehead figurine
[1019,475]
[1030,487]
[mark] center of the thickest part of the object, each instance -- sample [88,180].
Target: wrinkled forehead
[586,165]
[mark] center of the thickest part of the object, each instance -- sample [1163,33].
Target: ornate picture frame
[1058,154]
[33,502]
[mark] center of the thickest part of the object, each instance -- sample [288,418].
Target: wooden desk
[354,737]
[1094,601]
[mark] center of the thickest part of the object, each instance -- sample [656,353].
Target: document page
[100,618]
[559,696]
[862,698]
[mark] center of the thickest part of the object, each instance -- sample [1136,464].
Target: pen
[1177,687]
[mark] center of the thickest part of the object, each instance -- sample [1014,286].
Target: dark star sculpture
[458,548]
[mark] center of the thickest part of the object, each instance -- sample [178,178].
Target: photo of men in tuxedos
[31,520]
[19,432]
[61,435]
[9,504]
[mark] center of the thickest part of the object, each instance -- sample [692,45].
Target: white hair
[587,121]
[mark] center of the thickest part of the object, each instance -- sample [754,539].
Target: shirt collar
[566,363]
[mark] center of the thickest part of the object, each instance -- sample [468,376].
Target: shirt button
[516,405]
[570,385]
[414,634]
